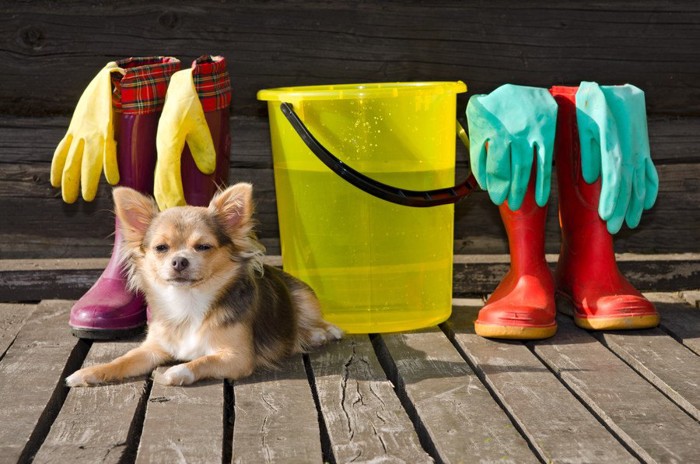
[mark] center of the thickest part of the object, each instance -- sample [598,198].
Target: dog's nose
[180,263]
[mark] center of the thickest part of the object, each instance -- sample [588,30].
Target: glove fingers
[652,183]
[170,142]
[543,184]
[59,160]
[478,140]
[521,167]
[198,135]
[590,156]
[498,171]
[611,184]
[167,185]
[71,172]
[202,147]
[589,100]
[621,204]
[91,167]
[111,166]
[477,161]
[637,195]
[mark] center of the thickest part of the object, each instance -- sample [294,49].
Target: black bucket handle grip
[415,198]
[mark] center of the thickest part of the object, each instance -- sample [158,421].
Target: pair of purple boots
[109,310]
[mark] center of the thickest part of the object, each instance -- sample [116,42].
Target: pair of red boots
[587,282]
[110,309]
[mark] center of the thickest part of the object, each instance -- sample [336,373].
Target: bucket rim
[358,91]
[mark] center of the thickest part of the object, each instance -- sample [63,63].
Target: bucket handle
[443,196]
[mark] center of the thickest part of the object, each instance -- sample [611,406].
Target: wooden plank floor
[442,394]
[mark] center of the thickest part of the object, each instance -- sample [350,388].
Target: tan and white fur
[214,306]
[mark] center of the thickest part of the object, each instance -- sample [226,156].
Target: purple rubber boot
[110,310]
[213,86]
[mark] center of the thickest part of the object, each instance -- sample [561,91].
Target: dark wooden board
[51,54]
[98,424]
[183,424]
[275,417]
[33,140]
[34,279]
[31,376]
[653,427]
[557,426]
[457,414]
[363,416]
[39,225]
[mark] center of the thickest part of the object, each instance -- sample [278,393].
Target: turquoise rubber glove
[508,128]
[89,144]
[614,140]
[182,121]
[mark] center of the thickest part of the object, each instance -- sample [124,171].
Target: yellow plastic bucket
[376,266]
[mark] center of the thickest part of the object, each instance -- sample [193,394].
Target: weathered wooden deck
[440,394]
[445,393]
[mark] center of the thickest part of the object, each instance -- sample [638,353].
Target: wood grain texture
[363,416]
[463,422]
[12,319]
[679,320]
[572,398]
[641,416]
[97,424]
[39,225]
[30,280]
[183,424]
[276,418]
[668,365]
[558,427]
[692,297]
[55,52]
[31,376]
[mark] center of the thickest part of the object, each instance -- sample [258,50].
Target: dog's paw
[334,332]
[177,375]
[322,335]
[82,378]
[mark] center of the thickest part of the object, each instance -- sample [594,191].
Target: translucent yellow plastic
[376,266]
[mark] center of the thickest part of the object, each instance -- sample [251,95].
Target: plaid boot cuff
[142,88]
[212,82]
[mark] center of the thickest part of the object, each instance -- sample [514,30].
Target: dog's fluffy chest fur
[183,311]
[189,345]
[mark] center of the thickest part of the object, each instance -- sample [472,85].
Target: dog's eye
[162,248]
[202,247]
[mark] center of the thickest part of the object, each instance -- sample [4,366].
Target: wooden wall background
[51,49]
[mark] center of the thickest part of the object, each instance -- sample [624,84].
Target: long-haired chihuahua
[214,305]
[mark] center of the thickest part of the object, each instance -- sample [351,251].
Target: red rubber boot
[110,309]
[522,307]
[213,85]
[589,284]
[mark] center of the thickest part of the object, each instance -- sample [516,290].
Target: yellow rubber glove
[89,143]
[182,121]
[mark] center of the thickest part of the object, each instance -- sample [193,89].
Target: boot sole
[618,323]
[566,306]
[107,334]
[514,332]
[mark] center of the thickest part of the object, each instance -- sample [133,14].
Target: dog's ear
[234,207]
[134,211]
